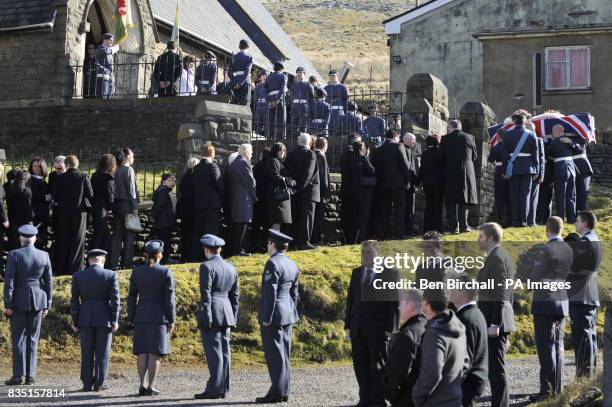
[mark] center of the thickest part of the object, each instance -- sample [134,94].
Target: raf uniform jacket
[219,292]
[527,161]
[206,77]
[476,338]
[279,291]
[104,60]
[95,297]
[496,304]
[496,158]
[302,165]
[28,283]
[552,264]
[583,275]
[392,168]
[350,123]
[324,181]
[276,84]
[402,368]
[562,153]
[72,191]
[337,96]
[583,165]
[151,297]
[208,185]
[302,94]
[459,153]
[240,69]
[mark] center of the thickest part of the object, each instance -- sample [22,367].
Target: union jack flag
[581,124]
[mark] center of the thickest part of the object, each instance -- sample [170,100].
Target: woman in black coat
[361,186]
[41,198]
[431,177]
[184,210]
[19,205]
[103,185]
[276,175]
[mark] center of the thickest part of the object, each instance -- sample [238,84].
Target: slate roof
[22,13]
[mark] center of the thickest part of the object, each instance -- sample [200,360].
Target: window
[568,68]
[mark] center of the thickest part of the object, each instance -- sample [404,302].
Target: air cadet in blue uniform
[217,313]
[546,188]
[276,85]
[534,193]
[561,149]
[584,171]
[95,315]
[320,114]
[151,309]
[550,307]
[240,75]
[500,185]
[27,300]
[520,166]
[105,82]
[277,314]
[350,123]
[261,103]
[302,97]
[374,126]
[206,75]
[584,294]
[337,97]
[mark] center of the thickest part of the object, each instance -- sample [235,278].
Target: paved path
[313,386]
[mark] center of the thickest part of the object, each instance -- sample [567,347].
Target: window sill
[568,92]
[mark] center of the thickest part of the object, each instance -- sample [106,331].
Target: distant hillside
[332,31]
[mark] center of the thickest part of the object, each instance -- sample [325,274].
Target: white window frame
[568,67]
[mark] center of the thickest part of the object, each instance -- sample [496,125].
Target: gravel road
[313,386]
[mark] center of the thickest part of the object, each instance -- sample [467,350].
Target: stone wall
[599,154]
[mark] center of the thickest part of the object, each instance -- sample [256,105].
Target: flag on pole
[123,20]
[175,30]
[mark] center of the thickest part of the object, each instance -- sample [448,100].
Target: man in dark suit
[28,288]
[217,314]
[476,377]
[277,314]
[583,293]
[208,197]
[410,145]
[431,177]
[303,167]
[393,173]
[324,187]
[370,320]
[347,206]
[405,351]
[72,194]
[550,307]
[168,70]
[94,307]
[496,306]
[242,194]
[164,210]
[459,154]
[520,167]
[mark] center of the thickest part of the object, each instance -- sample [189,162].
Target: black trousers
[584,338]
[544,202]
[434,197]
[549,331]
[70,242]
[582,191]
[502,200]
[304,220]
[471,391]
[123,239]
[165,235]
[409,214]
[101,238]
[347,215]
[498,347]
[186,230]
[204,221]
[369,361]
[317,227]
[362,214]
[238,237]
[392,211]
[457,215]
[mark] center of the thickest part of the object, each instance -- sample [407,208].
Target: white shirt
[465,305]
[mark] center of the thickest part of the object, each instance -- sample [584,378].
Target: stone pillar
[476,117]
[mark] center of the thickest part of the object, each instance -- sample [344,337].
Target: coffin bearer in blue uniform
[534,193]
[276,85]
[95,316]
[374,126]
[500,184]
[240,75]
[302,97]
[206,75]
[261,103]
[27,300]
[337,97]
[320,114]
[520,167]
[105,82]
[584,171]
[277,314]
[217,313]
[350,123]
[151,313]
[561,149]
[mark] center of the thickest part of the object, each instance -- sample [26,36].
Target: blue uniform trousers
[549,330]
[534,194]
[216,342]
[299,118]
[277,350]
[544,202]
[95,355]
[276,123]
[565,198]
[519,188]
[584,338]
[25,332]
[242,95]
[582,191]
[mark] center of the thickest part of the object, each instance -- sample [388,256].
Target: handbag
[281,192]
[132,223]
[368,181]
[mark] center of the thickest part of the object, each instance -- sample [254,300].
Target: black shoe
[101,388]
[30,380]
[13,381]
[152,392]
[142,391]
[208,396]
[244,254]
[270,400]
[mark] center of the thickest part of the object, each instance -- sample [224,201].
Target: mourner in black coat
[324,185]
[19,207]
[347,205]
[359,191]
[164,211]
[431,178]
[103,185]
[41,199]
[184,210]
[168,70]
[277,177]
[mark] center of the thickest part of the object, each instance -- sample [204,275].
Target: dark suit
[324,185]
[368,320]
[549,309]
[477,376]
[164,215]
[72,194]
[496,306]
[28,288]
[393,173]
[359,197]
[431,177]
[94,308]
[242,196]
[126,201]
[303,168]
[168,68]
[40,208]
[218,312]
[184,211]
[19,211]
[410,190]
[347,205]
[404,362]
[103,186]
[278,308]
[209,192]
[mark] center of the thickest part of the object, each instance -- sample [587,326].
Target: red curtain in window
[579,68]
[556,69]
